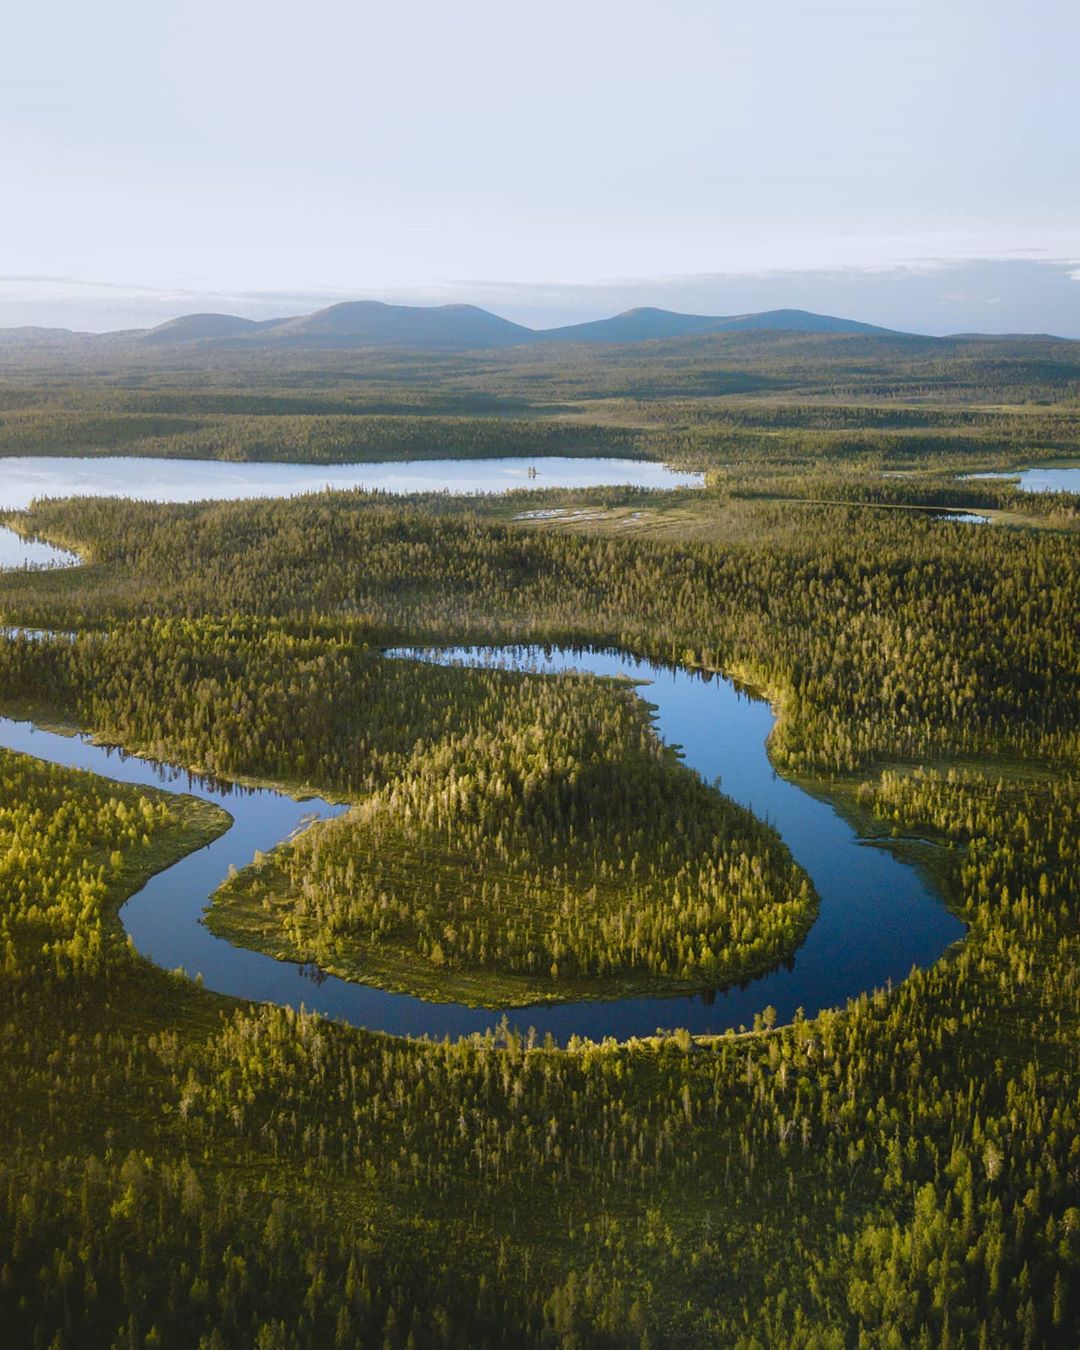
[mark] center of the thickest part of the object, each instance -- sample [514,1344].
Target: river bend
[878,917]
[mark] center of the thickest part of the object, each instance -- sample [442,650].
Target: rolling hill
[197,327]
[360,323]
[641,325]
[371,323]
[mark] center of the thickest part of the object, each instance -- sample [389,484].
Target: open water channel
[878,916]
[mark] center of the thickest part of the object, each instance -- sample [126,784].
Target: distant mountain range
[370,323]
[643,325]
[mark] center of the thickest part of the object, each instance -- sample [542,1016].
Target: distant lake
[1040,479]
[22,479]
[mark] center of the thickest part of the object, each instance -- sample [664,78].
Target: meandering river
[879,916]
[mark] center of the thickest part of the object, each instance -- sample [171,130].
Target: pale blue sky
[537,158]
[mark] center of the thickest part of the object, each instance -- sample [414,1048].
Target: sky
[913,163]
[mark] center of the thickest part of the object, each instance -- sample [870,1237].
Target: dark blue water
[878,915]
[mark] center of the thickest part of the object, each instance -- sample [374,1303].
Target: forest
[180,1168]
[728,399]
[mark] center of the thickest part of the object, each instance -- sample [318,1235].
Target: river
[878,916]
[1041,478]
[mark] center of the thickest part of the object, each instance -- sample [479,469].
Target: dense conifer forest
[182,1169]
[755,397]
[563,854]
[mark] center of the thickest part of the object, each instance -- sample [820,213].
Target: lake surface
[15,551]
[878,916]
[1040,479]
[22,479]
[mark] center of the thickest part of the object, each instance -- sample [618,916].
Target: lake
[15,551]
[1040,479]
[24,478]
